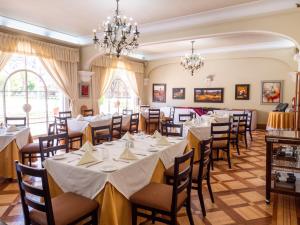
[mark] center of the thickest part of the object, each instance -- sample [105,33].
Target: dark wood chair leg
[228,158]
[212,163]
[201,199]
[237,147]
[246,142]
[30,162]
[209,189]
[250,132]
[218,154]
[189,211]
[134,215]
[173,219]
[23,158]
[80,142]
[95,218]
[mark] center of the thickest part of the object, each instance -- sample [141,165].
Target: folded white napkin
[87,157]
[163,141]
[128,155]
[88,147]
[128,136]
[79,117]
[156,134]
[11,128]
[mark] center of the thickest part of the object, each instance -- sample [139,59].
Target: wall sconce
[85,76]
[209,79]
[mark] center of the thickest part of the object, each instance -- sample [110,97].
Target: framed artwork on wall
[159,93]
[271,91]
[209,95]
[242,91]
[178,93]
[84,90]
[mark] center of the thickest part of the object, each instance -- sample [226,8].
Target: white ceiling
[79,17]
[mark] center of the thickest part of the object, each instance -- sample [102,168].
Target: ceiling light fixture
[192,62]
[120,35]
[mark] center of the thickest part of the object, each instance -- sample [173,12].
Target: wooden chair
[166,200]
[134,123]
[88,112]
[65,114]
[170,118]
[153,119]
[249,123]
[32,150]
[17,121]
[221,140]
[61,126]
[239,128]
[201,171]
[61,141]
[174,130]
[101,134]
[185,117]
[116,127]
[144,107]
[61,210]
[127,112]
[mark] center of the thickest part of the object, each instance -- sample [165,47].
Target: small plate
[59,157]
[107,143]
[108,168]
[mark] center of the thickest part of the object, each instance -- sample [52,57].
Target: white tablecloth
[21,137]
[127,179]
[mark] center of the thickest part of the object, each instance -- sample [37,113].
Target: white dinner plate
[107,143]
[59,157]
[153,150]
[108,168]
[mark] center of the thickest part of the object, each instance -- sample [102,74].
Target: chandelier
[120,34]
[193,61]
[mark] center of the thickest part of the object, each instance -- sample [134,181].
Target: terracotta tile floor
[239,192]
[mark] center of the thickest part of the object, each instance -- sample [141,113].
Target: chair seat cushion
[157,196]
[219,144]
[74,134]
[31,148]
[67,208]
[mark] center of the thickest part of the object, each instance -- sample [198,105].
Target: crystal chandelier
[193,61]
[120,35]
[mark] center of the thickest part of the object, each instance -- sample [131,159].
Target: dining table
[10,145]
[111,179]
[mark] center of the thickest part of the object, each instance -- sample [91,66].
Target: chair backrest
[61,141]
[116,125]
[240,122]
[182,176]
[61,125]
[101,133]
[134,123]
[144,107]
[127,112]
[205,148]
[51,131]
[65,114]
[17,121]
[169,129]
[31,195]
[249,118]
[221,132]
[182,117]
[88,112]
[154,115]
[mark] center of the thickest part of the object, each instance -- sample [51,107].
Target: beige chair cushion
[31,148]
[157,196]
[75,134]
[219,144]
[67,208]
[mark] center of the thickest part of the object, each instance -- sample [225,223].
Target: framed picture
[84,90]
[242,91]
[209,95]
[159,93]
[271,91]
[178,93]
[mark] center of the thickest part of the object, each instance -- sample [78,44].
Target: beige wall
[229,69]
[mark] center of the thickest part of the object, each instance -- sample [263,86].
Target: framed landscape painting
[242,91]
[209,95]
[84,90]
[271,91]
[159,93]
[178,93]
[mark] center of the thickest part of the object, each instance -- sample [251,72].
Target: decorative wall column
[297,100]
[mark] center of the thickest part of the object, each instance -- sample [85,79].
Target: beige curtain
[65,75]
[4,57]
[139,77]
[96,83]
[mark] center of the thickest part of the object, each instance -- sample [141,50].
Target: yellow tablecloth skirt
[115,209]
[281,120]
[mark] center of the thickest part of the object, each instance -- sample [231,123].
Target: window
[23,81]
[119,95]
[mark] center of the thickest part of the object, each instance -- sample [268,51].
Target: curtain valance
[108,62]
[10,43]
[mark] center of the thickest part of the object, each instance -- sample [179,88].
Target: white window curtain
[4,57]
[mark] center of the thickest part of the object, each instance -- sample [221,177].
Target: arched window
[25,84]
[119,95]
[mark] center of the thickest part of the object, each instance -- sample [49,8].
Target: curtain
[4,57]
[96,83]
[131,80]
[65,75]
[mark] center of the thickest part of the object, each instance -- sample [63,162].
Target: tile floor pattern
[239,192]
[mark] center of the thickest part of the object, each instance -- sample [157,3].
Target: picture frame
[271,92]
[159,93]
[242,91]
[84,90]
[209,95]
[178,93]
